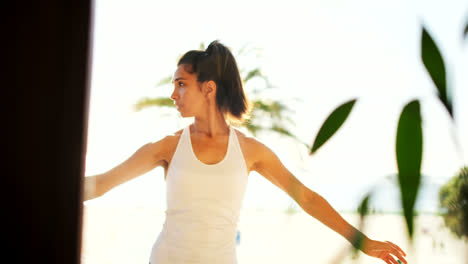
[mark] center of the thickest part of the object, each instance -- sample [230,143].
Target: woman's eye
[181,84]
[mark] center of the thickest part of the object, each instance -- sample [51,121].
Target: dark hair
[217,64]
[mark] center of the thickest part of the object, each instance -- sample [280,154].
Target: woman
[206,167]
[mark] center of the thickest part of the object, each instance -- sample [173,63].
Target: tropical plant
[453,198]
[267,114]
[409,138]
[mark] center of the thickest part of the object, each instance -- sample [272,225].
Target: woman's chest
[213,152]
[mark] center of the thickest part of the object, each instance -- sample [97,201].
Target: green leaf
[253,128]
[465,32]
[332,124]
[282,131]
[253,73]
[409,147]
[363,208]
[151,102]
[164,81]
[273,109]
[453,203]
[434,64]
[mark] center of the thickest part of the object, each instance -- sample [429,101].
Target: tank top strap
[237,150]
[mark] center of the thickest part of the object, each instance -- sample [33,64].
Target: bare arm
[143,160]
[269,165]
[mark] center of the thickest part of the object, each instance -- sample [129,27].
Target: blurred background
[311,56]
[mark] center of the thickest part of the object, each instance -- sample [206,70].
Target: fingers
[391,260]
[397,247]
[399,256]
[397,252]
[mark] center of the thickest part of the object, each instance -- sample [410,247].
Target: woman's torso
[206,180]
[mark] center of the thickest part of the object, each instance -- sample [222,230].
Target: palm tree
[267,114]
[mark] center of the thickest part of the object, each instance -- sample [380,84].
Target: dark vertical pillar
[46,124]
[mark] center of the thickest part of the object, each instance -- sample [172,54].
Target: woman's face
[187,94]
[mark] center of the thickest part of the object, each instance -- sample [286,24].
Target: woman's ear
[210,89]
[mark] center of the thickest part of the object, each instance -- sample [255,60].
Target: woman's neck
[210,127]
[211,122]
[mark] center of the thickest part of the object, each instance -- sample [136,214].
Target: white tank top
[203,206]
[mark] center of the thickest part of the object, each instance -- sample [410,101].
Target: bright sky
[321,52]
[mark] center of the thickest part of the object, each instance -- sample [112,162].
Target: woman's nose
[174,95]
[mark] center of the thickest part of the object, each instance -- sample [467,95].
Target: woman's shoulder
[167,142]
[166,146]
[248,142]
[253,149]
[173,138]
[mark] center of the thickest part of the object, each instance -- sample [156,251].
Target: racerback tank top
[203,206]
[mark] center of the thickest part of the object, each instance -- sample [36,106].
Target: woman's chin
[182,114]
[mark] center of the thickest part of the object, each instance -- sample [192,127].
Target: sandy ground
[117,235]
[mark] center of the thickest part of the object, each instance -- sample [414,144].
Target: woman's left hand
[387,251]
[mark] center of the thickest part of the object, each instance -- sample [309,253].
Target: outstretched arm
[143,160]
[268,165]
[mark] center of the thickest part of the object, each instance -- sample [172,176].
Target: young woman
[206,168]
